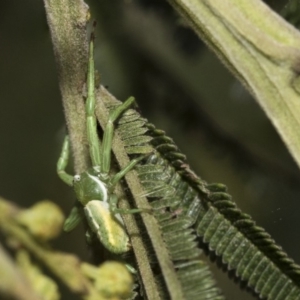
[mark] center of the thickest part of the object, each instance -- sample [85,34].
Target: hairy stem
[67,20]
[261,49]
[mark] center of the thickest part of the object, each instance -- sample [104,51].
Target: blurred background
[143,48]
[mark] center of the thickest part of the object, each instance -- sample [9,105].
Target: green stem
[261,49]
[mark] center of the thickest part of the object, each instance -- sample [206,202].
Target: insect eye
[77,178]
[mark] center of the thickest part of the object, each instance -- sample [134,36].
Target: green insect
[94,188]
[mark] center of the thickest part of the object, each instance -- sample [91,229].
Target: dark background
[143,49]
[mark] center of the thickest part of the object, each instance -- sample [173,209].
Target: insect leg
[73,219]
[63,162]
[109,133]
[91,121]
[123,172]
[113,201]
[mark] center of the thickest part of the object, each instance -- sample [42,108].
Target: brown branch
[68,20]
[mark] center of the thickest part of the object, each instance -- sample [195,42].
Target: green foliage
[191,212]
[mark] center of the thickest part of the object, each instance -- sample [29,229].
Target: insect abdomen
[109,230]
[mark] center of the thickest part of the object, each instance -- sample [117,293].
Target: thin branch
[153,230]
[68,20]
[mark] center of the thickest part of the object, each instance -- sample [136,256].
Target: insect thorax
[90,186]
